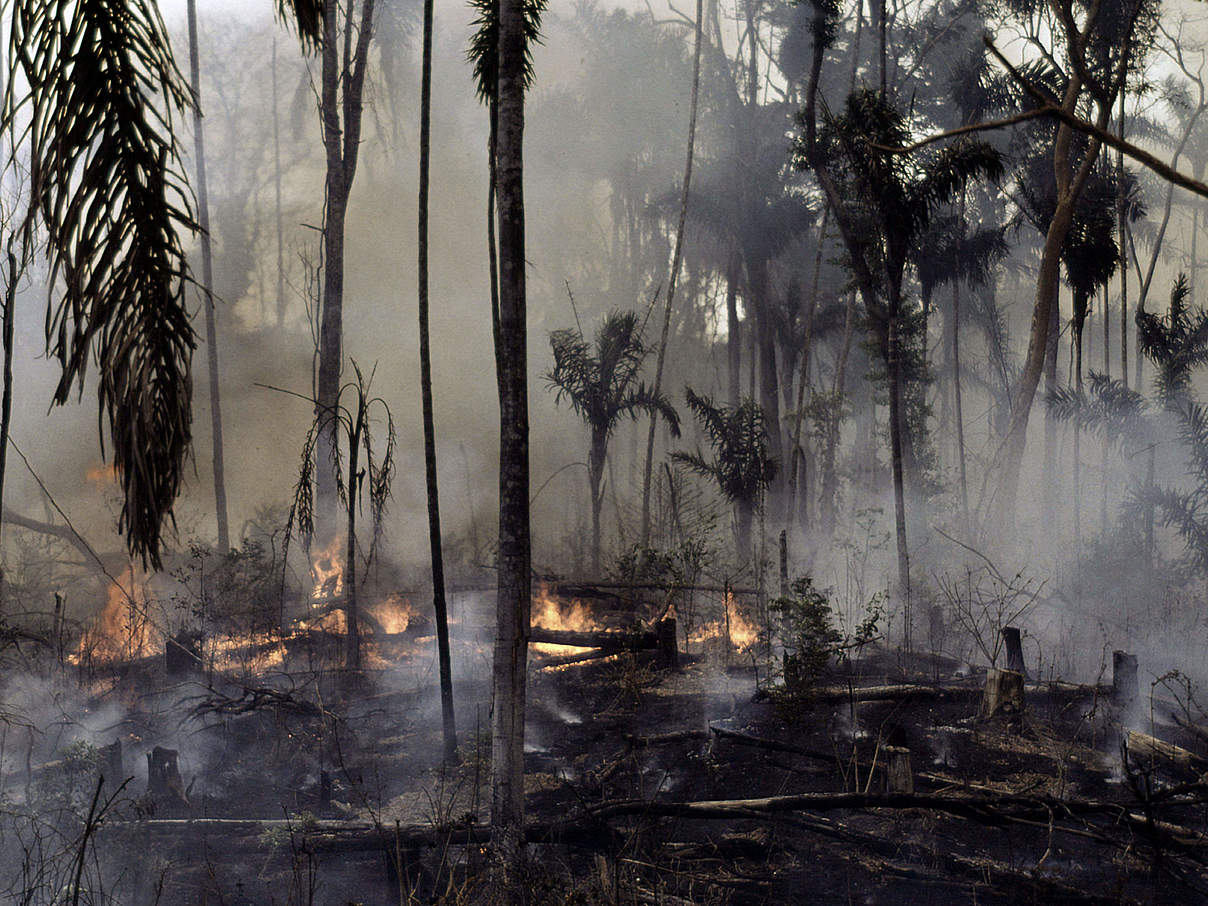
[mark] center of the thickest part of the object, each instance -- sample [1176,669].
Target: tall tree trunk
[1051,489]
[596,458]
[733,332]
[796,453]
[1122,232]
[676,257]
[896,424]
[439,606]
[207,287]
[829,481]
[957,409]
[340,106]
[277,189]
[352,654]
[1071,179]
[769,379]
[744,517]
[6,402]
[515,583]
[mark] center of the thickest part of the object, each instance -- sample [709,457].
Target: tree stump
[668,644]
[112,767]
[1010,637]
[1124,677]
[164,783]
[1003,693]
[899,778]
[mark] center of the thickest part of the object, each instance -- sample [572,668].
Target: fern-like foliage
[1176,343]
[1105,407]
[741,464]
[483,52]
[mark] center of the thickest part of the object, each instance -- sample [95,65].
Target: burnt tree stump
[112,766]
[164,783]
[1003,694]
[899,778]
[1010,637]
[1124,677]
[668,644]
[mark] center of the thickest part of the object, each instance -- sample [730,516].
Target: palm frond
[307,17]
[107,185]
[483,52]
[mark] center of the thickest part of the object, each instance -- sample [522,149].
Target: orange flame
[551,614]
[122,629]
[742,631]
[394,614]
[327,567]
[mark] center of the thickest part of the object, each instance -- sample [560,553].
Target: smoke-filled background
[607,119]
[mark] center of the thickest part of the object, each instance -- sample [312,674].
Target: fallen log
[1142,745]
[604,640]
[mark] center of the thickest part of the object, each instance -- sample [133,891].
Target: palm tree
[600,382]
[109,189]
[742,464]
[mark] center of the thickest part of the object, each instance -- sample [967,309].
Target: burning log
[164,783]
[1003,693]
[605,640]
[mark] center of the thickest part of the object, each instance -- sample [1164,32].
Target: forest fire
[123,629]
[733,625]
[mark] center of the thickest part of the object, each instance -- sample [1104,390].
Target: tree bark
[595,473]
[439,606]
[277,190]
[207,287]
[515,589]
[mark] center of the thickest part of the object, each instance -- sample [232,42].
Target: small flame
[327,568]
[394,614]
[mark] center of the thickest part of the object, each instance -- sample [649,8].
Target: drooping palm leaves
[742,465]
[600,382]
[95,90]
[1176,343]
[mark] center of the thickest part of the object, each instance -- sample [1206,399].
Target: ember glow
[327,569]
[733,624]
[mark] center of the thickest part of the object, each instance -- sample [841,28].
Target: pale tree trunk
[6,402]
[439,605]
[207,287]
[957,409]
[676,258]
[1051,489]
[277,190]
[733,332]
[340,104]
[1122,230]
[829,481]
[515,583]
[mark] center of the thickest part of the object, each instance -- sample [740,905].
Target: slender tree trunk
[340,106]
[439,606]
[744,517]
[769,379]
[492,246]
[676,258]
[277,188]
[1122,231]
[804,379]
[207,286]
[515,582]
[734,332]
[957,409]
[828,506]
[597,456]
[1077,432]
[1051,489]
[896,421]
[352,657]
